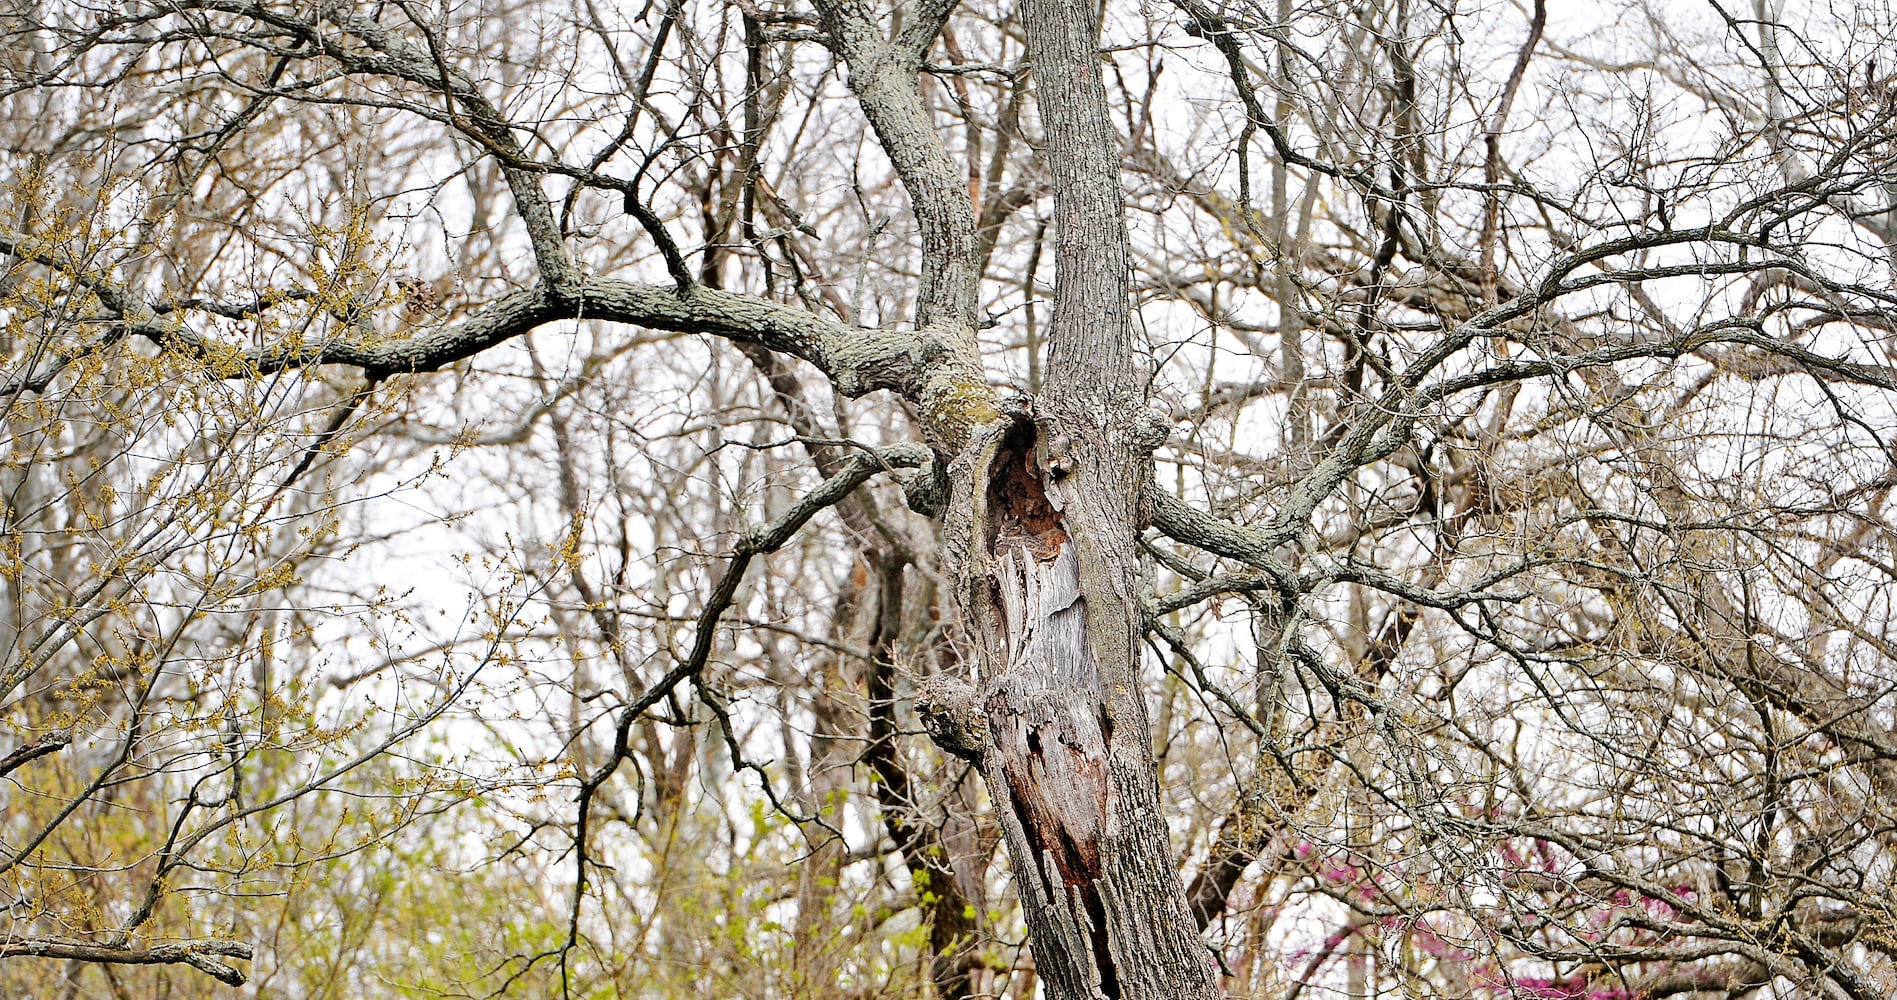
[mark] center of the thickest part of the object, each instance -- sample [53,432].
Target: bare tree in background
[1427,538]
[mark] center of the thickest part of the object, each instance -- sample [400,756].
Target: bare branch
[200,955]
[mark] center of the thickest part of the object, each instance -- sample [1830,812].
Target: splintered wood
[1047,717]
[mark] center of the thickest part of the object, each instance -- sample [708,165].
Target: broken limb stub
[951,714]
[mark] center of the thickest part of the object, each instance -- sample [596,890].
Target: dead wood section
[1046,713]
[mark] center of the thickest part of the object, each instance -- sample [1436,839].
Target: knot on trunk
[952,716]
[1151,428]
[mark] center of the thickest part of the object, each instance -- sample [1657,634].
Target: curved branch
[196,954]
[884,75]
[858,360]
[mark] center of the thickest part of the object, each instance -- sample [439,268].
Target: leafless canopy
[819,498]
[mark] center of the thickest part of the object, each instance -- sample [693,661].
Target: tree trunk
[1042,526]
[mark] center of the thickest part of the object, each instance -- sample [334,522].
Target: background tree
[1386,499]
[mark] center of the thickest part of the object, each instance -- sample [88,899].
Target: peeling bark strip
[1046,712]
[1047,717]
[1065,752]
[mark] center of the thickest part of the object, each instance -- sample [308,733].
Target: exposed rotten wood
[1047,718]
